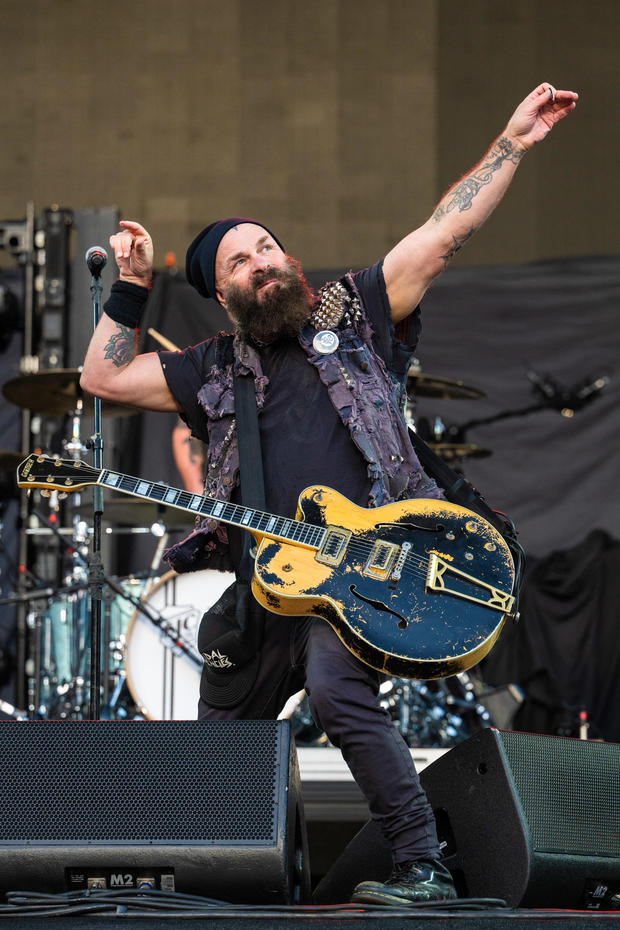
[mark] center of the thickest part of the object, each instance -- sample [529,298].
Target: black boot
[410,882]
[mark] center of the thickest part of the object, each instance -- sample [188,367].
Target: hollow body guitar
[417,589]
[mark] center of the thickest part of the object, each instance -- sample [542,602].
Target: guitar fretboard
[247,518]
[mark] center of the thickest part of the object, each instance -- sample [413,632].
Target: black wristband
[126,303]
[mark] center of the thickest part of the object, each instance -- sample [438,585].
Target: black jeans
[306,653]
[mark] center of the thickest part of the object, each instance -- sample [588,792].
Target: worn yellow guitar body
[441,616]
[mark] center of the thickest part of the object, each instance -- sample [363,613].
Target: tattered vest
[367,398]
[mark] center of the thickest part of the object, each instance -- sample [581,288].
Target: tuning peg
[45,492]
[62,495]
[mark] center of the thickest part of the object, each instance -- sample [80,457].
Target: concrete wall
[492,52]
[337,122]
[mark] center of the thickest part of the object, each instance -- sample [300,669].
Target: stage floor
[327,918]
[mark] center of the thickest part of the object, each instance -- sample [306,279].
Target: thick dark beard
[281,311]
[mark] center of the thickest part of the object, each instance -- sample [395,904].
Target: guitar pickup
[334,545]
[437,579]
[381,560]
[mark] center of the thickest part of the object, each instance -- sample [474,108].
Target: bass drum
[163,679]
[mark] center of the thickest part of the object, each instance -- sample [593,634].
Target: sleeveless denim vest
[367,398]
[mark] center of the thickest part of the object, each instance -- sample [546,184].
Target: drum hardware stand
[158,620]
[96,577]
[72,689]
[154,616]
[66,682]
[152,572]
[434,714]
[29,361]
[33,662]
[106,633]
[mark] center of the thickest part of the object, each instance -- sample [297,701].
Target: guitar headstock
[43,471]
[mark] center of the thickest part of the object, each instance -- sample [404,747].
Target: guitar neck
[246,518]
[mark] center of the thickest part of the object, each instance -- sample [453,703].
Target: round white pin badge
[325,342]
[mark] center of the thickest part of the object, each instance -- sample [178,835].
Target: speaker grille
[140,782]
[565,790]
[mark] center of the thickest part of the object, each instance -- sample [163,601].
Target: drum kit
[150,663]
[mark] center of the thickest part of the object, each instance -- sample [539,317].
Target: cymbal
[133,511]
[55,392]
[453,451]
[423,385]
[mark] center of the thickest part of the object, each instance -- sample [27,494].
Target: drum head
[163,681]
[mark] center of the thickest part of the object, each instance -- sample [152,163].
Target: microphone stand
[95,565]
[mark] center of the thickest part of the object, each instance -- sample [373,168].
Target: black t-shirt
[303,440]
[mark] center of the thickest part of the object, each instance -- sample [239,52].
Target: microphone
[567,400]
[588,389]
[96,259]
[544,385]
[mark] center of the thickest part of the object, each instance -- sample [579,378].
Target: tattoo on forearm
[461,196]
[195,450]
[121,347]
[457,242]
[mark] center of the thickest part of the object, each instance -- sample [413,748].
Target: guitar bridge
[334,545]
[491,597]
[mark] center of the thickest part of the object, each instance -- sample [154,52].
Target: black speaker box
[532,819]
[207,808]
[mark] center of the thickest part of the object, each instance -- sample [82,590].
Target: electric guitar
[416,589]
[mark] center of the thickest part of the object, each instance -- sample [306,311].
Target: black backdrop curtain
[555,475]
[565,652]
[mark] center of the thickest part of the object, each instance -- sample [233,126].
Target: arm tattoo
[457,242]
[460,197]
[195,450]
[121,347]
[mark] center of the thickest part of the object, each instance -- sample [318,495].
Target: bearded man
[328,373]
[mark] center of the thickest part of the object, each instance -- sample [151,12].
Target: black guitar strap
[252,495]
[460,491]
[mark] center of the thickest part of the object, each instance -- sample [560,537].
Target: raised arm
[421,256]
[112,370]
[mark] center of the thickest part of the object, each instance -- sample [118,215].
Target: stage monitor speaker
[206,808]
[532,819]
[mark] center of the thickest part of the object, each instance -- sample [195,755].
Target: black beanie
[200,258]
